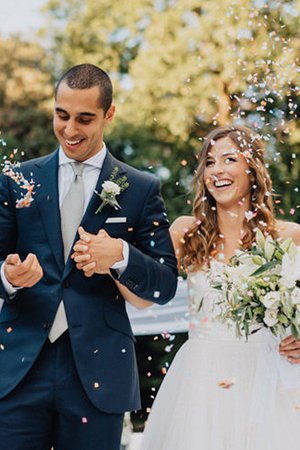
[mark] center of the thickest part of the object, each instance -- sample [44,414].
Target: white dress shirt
[91,172]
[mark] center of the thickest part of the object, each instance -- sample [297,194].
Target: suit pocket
[118,321]
[8,313]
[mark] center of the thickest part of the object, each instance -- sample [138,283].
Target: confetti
[168,348]
[250,215]
[227,384]
[12,170]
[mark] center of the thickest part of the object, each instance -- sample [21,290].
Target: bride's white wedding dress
[222,393]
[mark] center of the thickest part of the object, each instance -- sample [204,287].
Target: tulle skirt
[227,395]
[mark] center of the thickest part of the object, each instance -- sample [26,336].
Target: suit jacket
[101,336]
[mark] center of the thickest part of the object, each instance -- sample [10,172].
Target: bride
[222,393]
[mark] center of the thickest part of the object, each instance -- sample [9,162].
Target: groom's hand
[22,273]
[290,348]
[96,253]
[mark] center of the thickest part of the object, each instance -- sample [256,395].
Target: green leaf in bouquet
[249,312]
[268,266]
[287,307]
[295,330]
[260,239]
[278,330]
[292,251]
[269,248]
[259,311]
[258,260]
[278,255]
[283,319]
[217,285]
[246,329]
[285,245]
[281,248]
[238,332]
[200,304]
[263,283]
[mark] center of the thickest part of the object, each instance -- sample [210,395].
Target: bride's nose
[218,168]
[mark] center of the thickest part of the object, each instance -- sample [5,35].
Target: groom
[67,362]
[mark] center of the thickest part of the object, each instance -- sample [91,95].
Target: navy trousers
[49,408]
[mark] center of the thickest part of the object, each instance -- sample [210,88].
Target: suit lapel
[47,202]
[91,221]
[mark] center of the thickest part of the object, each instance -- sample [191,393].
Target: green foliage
[179,68]
[26,91]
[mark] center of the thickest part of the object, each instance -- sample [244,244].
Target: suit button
[46,325]
[129,284]
[66,284]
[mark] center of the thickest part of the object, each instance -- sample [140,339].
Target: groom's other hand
[22,273]
[290,348]
[96,253]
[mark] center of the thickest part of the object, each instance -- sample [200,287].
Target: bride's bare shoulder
[181,225]
[289,229]
[178,229]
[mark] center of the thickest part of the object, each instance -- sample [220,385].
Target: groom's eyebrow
[86,114]
[89,114]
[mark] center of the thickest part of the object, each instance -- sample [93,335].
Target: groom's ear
[110,113]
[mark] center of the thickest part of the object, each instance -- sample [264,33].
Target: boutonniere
[110,189]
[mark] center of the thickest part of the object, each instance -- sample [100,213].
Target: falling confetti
[227,384]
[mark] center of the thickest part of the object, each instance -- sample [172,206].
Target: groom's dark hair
[85,76]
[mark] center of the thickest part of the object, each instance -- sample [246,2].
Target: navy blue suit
[99,330]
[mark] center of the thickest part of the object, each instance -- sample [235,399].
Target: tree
[26,91]
[218,64]
[181,67]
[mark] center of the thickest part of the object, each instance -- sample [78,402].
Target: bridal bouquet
[261,288]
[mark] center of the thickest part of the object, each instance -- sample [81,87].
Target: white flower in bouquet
[236,274]
[295,296]
[271,299]
[290,269]
[271,317]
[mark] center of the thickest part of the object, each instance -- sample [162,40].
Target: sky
[20,16]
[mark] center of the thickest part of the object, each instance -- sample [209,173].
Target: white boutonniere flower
[111,189]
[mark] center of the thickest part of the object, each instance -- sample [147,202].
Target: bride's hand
[290,348]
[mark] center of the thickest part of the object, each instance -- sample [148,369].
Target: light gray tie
[71,213]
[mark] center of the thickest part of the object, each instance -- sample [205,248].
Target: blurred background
[179,68]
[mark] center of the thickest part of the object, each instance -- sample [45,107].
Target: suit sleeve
[151,272]
[8,229]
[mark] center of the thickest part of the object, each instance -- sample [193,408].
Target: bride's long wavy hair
[202,239]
